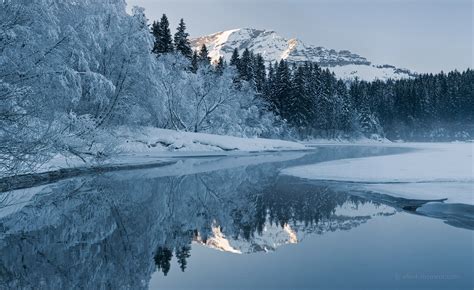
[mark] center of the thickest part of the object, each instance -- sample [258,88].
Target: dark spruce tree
[195,62]
[163,40]
[182,255]
[302,105]
[269,88]
[344,115]
[245,67]
[163,258]
[181,41]
[283,89]
[220,66]
[156,32]
[204,55]
[235,59]
[260,74]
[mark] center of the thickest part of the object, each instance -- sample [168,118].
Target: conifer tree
[163,258]
[165,44]
[301,108]
[181,41]
[259,73]
[220,66]
[156,31]
[283,88]
[235,59]
[270,86]
[182,255]
[204,55]
[195,62]
[245,67]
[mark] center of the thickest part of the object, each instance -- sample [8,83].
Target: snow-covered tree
[67,83]
[206,101]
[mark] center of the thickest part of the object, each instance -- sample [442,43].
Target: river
[226,222]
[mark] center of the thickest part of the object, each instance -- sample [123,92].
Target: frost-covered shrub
[71,69]
[369,125]
[207,101]
[63,58]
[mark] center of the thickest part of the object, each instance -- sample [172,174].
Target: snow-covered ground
[369,72]
[431,171]
[160,140]
[144,145]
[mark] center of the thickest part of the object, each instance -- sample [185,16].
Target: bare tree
[209,95]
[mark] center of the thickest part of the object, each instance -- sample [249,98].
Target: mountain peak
[273,47]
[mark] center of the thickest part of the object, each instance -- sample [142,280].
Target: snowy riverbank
[145,146]
[431,171]
[154,140]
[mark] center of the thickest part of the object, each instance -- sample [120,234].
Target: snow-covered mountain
[273,47]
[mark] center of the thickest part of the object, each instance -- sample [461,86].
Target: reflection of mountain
[113,232]
[271,237]
[288,210]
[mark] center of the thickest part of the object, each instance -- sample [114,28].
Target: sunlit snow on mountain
[273,47]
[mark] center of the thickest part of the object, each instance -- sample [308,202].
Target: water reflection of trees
[281,202]
[164,255]
[114,231]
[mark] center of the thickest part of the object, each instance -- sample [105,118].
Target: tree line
[314,103]
[428,107]
[65,92]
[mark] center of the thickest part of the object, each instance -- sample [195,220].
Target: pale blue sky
[422,35]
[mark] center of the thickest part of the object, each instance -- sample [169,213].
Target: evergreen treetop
[156,31]
[195,62]
[235,59]
[181,41]
[163,40]
[220,66]
[204,55]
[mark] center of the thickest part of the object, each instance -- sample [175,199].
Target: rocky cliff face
[273,47]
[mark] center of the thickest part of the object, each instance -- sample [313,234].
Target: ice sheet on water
[433,171]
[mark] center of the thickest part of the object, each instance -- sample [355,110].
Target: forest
[65,90]
[314,103]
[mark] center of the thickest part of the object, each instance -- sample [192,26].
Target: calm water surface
[226,223]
